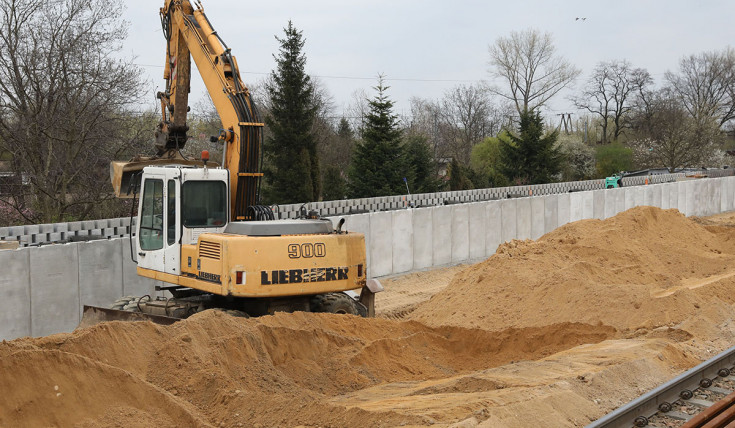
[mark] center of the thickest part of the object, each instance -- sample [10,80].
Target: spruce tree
[292,164]
[423,177]
[379,162]
[530,157]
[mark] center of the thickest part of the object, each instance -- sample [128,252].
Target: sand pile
[643,268]
[555,332]
[279,370]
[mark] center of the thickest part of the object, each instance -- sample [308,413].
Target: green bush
[612,158]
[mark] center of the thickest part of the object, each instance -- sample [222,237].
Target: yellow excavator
[200,229]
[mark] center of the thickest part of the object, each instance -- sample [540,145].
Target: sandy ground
[554,332]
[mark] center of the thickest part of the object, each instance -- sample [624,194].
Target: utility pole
[566,120]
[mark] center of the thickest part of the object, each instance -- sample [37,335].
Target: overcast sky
[425,48]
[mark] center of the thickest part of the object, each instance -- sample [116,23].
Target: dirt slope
[644,268]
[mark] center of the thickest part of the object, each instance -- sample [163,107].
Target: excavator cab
[176,205]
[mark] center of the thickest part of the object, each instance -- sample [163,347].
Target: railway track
[701,397]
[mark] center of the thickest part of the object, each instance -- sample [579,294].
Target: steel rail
[637,412]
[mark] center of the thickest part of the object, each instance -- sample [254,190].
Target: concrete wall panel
[576,207]
[100,272]
[673,195]
[599,204]
[442,230]
[381,244]
[477,230]
[460,233]
[402,240]
[551,213]
[588,207]
[493,227]
[648,199]
[656,199]
[538,217]
[564,208]
[683,189]
[15,289]
[423,242]
[619,200]
[665,196]
[54,289]
[523,218]
[508,209]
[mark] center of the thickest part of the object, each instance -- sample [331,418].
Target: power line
[322,76]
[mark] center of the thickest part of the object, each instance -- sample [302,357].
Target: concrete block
[15,287]
[46,228]
[381,244]
[576,207]
[523,220]
[460,233]
[402,234]
[54,272]
[442,231]
[598,197]
[100,272]
[564,206]
[26,230]
[477,230]
[508,211]
[423,234]
[493,227]
[538,216]
[551,213]
[694,197]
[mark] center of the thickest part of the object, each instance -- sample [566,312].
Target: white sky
[349,43]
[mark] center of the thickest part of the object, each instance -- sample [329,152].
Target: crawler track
[703,396]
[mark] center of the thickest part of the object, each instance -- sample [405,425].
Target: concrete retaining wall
[40,234]
[43,288]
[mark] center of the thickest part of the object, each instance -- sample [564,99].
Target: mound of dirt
[641,269]
[275,370]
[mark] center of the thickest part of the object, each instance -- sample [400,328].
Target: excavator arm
[189,35]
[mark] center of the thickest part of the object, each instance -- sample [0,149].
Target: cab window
[151,216]
[171,212]
[203,203]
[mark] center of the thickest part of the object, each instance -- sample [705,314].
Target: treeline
[68,105]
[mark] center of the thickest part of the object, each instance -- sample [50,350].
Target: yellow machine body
[270,266]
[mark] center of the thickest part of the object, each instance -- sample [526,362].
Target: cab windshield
[204,204]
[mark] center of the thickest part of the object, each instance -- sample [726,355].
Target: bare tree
[608,94]
[457,122]
[706,85]
[667,135]
[532,72]
[63,102]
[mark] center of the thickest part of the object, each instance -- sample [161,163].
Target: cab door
[172,246]
[151,232]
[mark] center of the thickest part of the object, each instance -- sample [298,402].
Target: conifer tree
[379,163]
[530,157]
[292,164]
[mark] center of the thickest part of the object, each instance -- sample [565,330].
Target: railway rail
[701,397]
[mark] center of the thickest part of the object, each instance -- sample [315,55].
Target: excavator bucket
[94,315]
